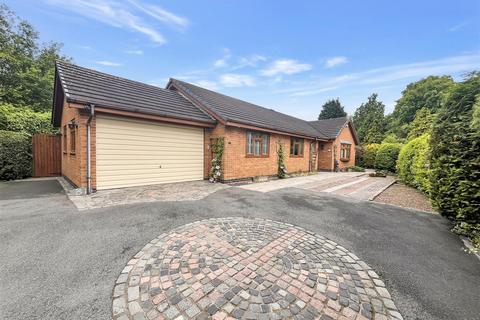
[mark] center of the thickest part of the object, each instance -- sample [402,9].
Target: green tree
[332,109]
[421,124]
[429,93]
[369,120]
[455,158]
[26,66]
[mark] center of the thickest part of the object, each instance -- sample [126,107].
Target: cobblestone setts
[235,268]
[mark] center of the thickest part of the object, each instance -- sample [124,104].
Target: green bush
[356,169]
[24,119]
[369,155]
[359,156]
[15,155]
[386,158]
[455,158]
[413,163]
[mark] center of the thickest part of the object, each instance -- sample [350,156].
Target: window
[72,140]
[296,147]
[345,152]
[65,139]
[257,144]
[322,146]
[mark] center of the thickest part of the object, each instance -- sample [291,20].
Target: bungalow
[121,133]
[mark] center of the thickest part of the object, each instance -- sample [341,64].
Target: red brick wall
[74,166]
[325,156]
[236,164]
[345,134]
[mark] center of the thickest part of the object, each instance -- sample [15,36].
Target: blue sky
[289,56]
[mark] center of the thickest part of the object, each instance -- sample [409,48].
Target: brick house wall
[326,154]
[236,164]
[345,135]
[74,165]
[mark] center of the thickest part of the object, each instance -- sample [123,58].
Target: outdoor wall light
[72,124]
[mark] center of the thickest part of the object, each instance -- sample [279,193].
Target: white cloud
[458,26]
[391,74]
[124,16]
[162,15]
[223,61]
[134,52]
[335,61]
[250,61]
[237,80]
[207,84]
[312,92]
[108,63]
[84,47]
[285,66]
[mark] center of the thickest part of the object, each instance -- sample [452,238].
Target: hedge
[386,158]
[369,155]
[24,119]
[15,155]
[413,163]
[455,159]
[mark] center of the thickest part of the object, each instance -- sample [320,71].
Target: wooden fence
[47,155]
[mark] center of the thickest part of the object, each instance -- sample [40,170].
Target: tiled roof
[235,110]
[330,127]
[87,86]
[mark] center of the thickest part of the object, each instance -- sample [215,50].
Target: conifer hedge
[455,159]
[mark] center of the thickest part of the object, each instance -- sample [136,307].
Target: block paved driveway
[60,263]
[356,185]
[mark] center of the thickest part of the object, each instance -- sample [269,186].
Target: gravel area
[404,196]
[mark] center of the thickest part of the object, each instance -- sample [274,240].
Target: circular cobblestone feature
[250,269]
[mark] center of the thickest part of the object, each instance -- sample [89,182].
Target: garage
[132,152]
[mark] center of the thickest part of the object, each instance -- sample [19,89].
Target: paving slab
[357,185]
[181,191]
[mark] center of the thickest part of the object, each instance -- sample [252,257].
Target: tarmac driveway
[59,263]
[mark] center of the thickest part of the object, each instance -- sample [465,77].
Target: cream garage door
[135,152]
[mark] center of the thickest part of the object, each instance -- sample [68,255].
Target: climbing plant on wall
[282,169]
[216,167]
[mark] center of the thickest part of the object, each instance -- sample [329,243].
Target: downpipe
[91,109]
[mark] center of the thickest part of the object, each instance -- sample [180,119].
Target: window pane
[249,143]
[257,147]
[265,144]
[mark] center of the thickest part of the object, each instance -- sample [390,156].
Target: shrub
[24,119]
[386,158]
[359,156]
[369,155]
[15,155]
[455,157]
[413,163]
[356,169]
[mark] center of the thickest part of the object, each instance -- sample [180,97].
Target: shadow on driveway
[29,189]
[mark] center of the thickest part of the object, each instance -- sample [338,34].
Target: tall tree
[26,66]
[422,123]
[332,109]
[430,93]
[369,120]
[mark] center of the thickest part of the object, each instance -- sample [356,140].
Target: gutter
[91,109]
